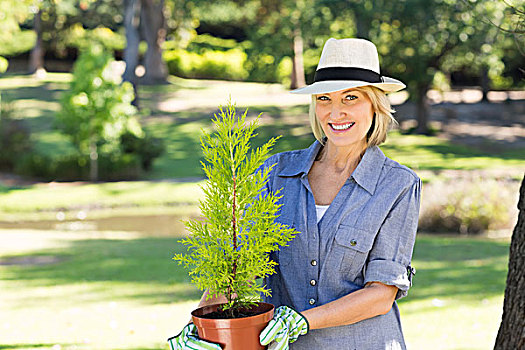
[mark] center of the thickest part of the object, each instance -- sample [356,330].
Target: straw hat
[349,63]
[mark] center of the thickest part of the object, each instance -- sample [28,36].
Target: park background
[85,256]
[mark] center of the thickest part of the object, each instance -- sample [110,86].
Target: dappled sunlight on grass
[432,153]
[115,293]
[111,194]
[457,296]
[123,291]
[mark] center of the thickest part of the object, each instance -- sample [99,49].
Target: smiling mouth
[341,127]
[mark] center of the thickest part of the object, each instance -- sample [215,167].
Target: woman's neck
[342,160]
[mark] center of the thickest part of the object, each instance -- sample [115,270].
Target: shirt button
[313,262]
[353,242]
[311,301]
[313,282]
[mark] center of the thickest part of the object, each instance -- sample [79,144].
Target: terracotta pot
[234,333]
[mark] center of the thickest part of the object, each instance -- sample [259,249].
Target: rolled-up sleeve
[390,257]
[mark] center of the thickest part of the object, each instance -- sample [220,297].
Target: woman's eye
[350,97]
[322,98]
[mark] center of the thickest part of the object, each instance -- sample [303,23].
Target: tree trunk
[153,21]
[93,161]
[422,110]
[131,52]
[36,57]
[511,334]
[485,82]
[297,78]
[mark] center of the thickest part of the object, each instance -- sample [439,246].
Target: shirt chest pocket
[351,248]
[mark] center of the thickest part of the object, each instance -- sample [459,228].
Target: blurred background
[102,104]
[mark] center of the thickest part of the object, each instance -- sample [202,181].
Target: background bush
[134,157]
[468,206]
[15,135]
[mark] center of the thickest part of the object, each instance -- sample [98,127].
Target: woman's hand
[188,339]
[285,327]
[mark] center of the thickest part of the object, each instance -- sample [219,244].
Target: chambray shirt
[367,234]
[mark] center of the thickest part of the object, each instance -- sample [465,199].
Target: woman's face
[345,116]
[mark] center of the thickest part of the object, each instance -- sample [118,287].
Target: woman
[355,209]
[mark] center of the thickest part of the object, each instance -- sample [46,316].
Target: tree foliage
[417,38]
[231,246]
[97,108]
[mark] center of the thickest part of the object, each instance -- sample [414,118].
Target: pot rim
[241,322]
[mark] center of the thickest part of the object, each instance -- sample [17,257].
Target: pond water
[154,225]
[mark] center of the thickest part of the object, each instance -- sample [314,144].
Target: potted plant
[231,246]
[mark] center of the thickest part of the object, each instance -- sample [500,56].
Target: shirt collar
[369,169]
[366,174]
[302,161]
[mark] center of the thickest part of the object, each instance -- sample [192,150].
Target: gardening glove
[285,327]
[189,339]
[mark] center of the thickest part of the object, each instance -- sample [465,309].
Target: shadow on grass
[469,268]
[140,262]
[181,133]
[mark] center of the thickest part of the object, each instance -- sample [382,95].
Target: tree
[131,52]
[416,37]
[145,19]
[511,334]
[36,57]
[50,16]
[97,109]
[293,29]
[154,27]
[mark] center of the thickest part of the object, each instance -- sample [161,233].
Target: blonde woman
[356,210]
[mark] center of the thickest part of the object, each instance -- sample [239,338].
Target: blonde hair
[381,123]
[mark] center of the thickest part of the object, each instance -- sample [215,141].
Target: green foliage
[17,43]
[15,138]
[231,247]
[213,64]
[73,167]
[59,18]
[205,42]
[97,108]
[147,148]
[3,64]
[81,38]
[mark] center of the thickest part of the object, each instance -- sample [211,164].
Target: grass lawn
[115,290]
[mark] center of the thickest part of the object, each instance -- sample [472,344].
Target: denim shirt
[367,234]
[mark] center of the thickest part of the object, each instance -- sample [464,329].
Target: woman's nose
[338,110]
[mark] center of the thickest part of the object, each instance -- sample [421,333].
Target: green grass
[457,297]
[43,201]
[110,290]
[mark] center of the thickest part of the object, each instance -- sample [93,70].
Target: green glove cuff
[304,318]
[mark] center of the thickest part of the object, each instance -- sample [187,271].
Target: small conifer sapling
[232,244]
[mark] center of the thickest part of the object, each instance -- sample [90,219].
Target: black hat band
[347,73]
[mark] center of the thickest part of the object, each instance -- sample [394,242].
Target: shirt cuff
[390,273]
